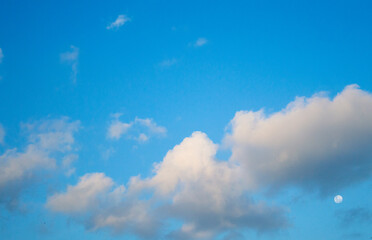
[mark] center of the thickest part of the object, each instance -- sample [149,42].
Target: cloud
[82,196]
[168,63]
[200,42]
[120,21]
[71,58]
[1,55]
[189,185]
[2,134]
[357,215]
[19,169]
[315,143]
[102,204]
[139,129]
[117,129]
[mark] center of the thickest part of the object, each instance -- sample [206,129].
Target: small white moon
[338,199]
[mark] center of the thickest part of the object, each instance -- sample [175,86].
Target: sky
[185,120]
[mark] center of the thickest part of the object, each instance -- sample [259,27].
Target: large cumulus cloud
[315,143]
[189,185]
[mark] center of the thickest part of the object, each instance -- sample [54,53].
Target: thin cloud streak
[1,55]
[120,21]
[71,58]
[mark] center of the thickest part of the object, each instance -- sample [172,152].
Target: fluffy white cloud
[120,21]
[71,58]
[82,196]
[17,165]
[139,129]
[189,185]
[2,134]
[206,194]
[1,55]
[200,42]
[314,143]
[117,129]
[19,168]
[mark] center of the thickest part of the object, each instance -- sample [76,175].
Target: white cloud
[19,168]
[151,125]
[200,42]
[71,58]
[314,143]
[140,129]
[117,129]
[189,185]
[17,165]
[2,134]
[1,55]
[82,196]
[143,138]
[120,21]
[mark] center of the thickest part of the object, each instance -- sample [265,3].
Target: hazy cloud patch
[2,134]
[358,215]
[167,63]
[1,55]
[200,42]
[140,129]
[120,21]
[71,58]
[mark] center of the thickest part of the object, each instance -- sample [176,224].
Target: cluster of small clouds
[19,169]
[315,144]
[71,58]
[139,129]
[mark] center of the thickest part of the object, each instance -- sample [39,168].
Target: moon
[338,199]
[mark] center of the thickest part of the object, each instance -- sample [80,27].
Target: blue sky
[185,120]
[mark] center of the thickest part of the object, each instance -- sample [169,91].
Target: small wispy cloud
[140,129]
[71,58]
[200,42]
[168,63]
[120,21]
[1,55]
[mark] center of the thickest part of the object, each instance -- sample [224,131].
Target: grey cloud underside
[317,144]
[188,185]
[21,169]
[357,215]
